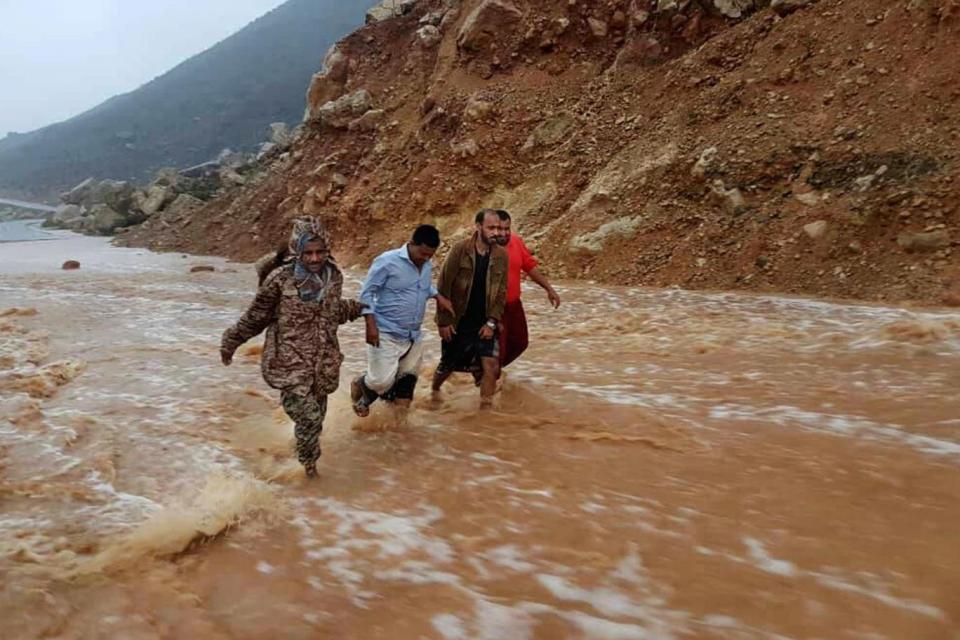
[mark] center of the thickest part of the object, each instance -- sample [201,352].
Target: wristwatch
[492,324]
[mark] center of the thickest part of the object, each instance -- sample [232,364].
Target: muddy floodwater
[660,464]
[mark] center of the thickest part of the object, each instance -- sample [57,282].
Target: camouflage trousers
[307,413]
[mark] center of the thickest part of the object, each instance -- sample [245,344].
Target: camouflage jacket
[301,353]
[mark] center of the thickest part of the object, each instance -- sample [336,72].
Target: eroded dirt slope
[808,151]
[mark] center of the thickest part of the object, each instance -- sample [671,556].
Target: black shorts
[463,353]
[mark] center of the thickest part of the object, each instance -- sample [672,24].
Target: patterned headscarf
[307,230]
[312,286]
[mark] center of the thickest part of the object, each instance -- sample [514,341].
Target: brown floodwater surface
[659,464]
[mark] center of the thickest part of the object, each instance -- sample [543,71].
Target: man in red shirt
[513,336]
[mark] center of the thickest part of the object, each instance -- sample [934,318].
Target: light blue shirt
[396,293]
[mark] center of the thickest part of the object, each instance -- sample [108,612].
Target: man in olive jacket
[474,279]
[300,307]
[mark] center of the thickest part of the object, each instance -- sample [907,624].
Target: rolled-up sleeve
[528,263]
[376,278]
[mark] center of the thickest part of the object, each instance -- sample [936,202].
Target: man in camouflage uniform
[300,307]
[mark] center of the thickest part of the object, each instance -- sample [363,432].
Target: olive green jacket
[456,281]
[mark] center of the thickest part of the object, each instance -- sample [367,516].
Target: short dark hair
[504,214]
[426,235]
[483,214]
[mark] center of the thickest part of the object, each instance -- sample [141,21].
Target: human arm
[541,280]
[260,314]
[444,304]
[372,330]
[448,273]
[369,294]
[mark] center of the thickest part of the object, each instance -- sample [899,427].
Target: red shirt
[521,260]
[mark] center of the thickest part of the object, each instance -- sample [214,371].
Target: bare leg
[488,385]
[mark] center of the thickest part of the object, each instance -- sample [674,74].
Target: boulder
[341,112]
[279,134]
[329,84]
[70,265]
[152,201]
[549,132]
[466,149]
[370,121]
[230,158]
[594,242]
[706,163]
[105,220]
[477,109]
[229,176]
[735,8]
[116,194]
[267,149]
[432,18]
[815,230]
[492,21]
[731,198]
[926,241]
[66,214]
[599,28]
[428,36]
[388,9]
[166,177]
[183,205]
[202,268]
[79,193]
[809,198]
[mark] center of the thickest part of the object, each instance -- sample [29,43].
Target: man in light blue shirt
[395,293]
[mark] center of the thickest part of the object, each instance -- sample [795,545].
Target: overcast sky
[59,58]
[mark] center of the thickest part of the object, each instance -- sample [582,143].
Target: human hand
[446,333]
[444,304]
[486,333]
[373,332]
[553,297]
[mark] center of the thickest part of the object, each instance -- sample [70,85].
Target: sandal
[360,406]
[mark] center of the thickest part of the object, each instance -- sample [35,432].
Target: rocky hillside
[223,97]
[807,147]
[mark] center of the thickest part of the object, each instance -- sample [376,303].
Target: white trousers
[392,359]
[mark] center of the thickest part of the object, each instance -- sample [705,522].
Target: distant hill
[223,97]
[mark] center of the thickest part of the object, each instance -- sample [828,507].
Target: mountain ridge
[225,96]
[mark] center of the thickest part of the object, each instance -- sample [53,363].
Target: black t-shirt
[476,313]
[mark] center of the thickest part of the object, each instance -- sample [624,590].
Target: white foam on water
[449,626]
[843,425]
[509,556]
[604,600]
[600,629]
[878,591]
[545,493]
[592,507]
[764,561]
[418,573]
[485,457]
[879,594]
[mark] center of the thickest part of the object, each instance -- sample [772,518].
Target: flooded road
[660,464]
